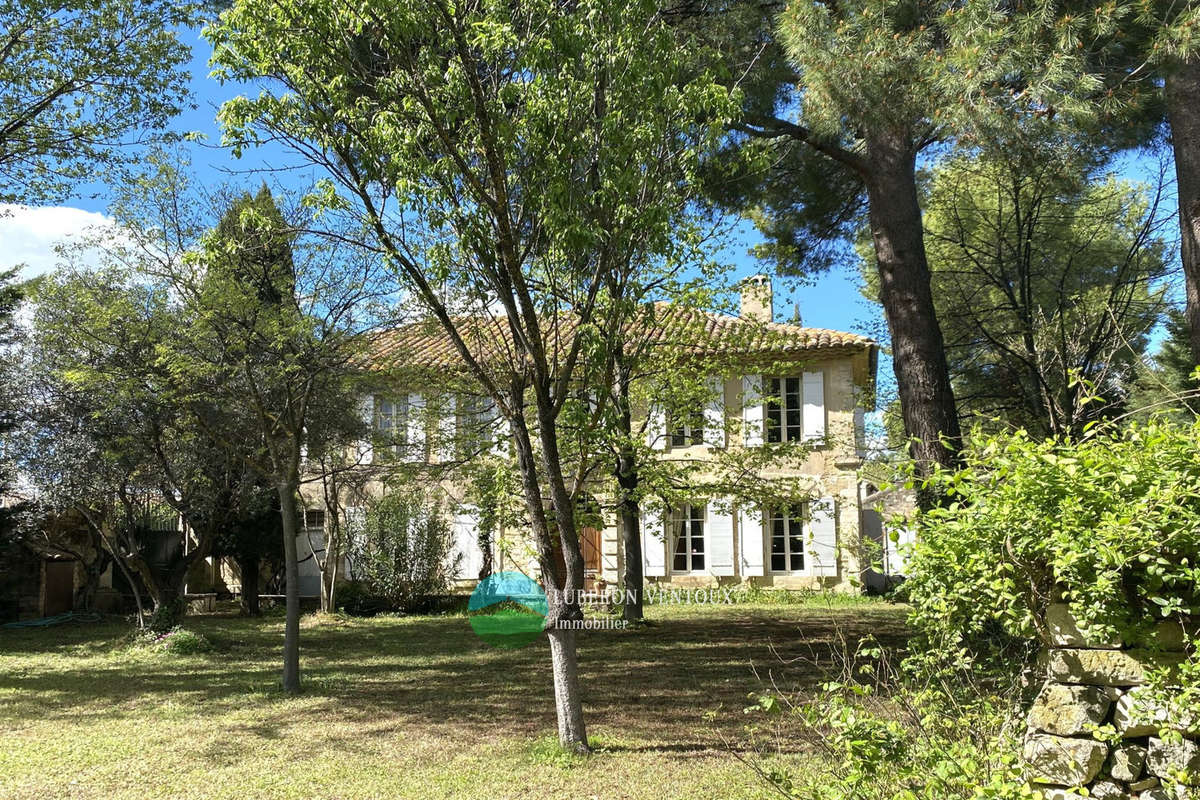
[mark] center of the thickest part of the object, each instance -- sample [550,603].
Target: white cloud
[28,235]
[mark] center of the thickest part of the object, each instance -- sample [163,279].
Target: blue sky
[833,300]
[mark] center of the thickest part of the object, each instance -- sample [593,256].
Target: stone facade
[1093,683]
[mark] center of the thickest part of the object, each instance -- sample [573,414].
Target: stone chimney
[756,299]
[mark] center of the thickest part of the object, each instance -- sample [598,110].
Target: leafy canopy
[1111,522]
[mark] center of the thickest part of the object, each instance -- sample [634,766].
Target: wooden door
[589,545]
[59,588]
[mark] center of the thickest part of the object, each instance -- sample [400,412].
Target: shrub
[401,555]
[1109,524]
[886,732]
[177,641]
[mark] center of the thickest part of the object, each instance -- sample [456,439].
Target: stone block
[1135,715]
[1105,667]
[1067,710]
[1178,760]
[1144,784]
[1054,793]
[1172,792]
[1064,631]
[1063,761]
[1127,762]
[1108,790]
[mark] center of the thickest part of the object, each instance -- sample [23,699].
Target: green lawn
[413,707]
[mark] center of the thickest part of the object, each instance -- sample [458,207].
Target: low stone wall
[1097,683]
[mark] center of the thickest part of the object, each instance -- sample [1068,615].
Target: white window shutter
[814,406]
[750,537]
[656,428]
[714,412]
[822,537]
[415,426]
[366,452]
[720,540]
[466,544]
[654,546]
[447,429]
[752,411]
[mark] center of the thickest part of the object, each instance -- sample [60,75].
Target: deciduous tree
[499,158]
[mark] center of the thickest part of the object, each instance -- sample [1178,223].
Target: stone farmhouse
[816,391]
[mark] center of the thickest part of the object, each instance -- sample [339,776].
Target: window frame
[688,432]
[397,434]
[696,515]
[795,519]
[776,396]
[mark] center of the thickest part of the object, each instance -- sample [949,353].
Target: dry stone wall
[1092,684]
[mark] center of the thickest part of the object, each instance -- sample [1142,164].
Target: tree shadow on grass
[671,682]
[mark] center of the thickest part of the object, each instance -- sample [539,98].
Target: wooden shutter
[714,413]
[656,428]
[654,546]
[822,537]
[414,421]
[750,539]
[752,411]
[814,406]
[366,452]
[720,539]
[466,544]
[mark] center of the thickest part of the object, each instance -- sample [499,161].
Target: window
[787,539]
[478,418]
[689,430]
[784,404]
[314,518]
[687,526]
[390,415]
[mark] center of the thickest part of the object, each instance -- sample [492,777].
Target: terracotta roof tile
[424,345]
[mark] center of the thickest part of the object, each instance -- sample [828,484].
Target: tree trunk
[85,595]
[170,604]
[563,600]
[627,477]
[571,732]
[1183,114]
[291,568]
[249,568]
[633,608]
[918,352]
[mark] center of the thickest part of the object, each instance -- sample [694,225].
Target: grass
[403,707]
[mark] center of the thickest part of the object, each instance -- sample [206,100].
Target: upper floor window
[787,539]
[391,416]
[689,430]
[785,405]
[477,418]
[687,530]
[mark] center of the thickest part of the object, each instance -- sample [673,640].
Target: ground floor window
[687,528]
[787,539]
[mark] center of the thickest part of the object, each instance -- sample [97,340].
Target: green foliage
[403,552]
[887,733]
[1169,384]
[1110,523]
[173,640]
[1046,275]
[82,80]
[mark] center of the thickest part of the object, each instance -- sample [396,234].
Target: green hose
[46,622]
